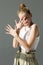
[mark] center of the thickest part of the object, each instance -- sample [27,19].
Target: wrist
[17,37]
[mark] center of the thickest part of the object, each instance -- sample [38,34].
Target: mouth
[26,23]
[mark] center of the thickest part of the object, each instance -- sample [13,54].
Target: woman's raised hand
[9,30]
[18,24]
[15,31]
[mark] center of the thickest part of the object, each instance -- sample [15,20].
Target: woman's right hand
[18,24]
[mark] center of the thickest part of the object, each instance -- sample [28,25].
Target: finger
[9,26]
[16,22]
[7,33]
[6,29]
[24,18]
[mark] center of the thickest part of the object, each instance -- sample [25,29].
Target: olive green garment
[25,58]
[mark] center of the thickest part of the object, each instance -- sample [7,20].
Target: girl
[26,37]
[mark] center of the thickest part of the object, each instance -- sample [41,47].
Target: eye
[26,18]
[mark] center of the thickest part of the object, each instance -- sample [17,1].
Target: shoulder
[35,27]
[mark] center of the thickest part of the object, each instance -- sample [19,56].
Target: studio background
[8,9]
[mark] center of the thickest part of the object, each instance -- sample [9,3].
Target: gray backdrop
[8,14]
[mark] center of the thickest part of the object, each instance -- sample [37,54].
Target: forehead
[22,14]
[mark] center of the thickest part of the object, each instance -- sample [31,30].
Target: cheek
[29,19]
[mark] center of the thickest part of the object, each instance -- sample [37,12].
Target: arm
[18,27]
[10,30]
[15,43]
[32,37]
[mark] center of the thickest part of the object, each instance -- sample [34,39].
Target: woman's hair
[23,8]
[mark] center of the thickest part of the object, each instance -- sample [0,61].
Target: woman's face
[25,18]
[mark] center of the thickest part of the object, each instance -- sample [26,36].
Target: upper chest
[24,32]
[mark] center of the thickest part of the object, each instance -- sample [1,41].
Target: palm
[9,30]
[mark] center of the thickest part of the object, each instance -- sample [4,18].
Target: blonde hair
[23,8]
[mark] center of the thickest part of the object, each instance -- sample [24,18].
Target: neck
[31,24]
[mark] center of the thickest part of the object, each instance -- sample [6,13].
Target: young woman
[26,37]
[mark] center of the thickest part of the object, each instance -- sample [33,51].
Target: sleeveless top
[24,34]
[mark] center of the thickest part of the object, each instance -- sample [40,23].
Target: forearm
[15,43]
[23,43]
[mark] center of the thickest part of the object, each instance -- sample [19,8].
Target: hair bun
[21,6]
